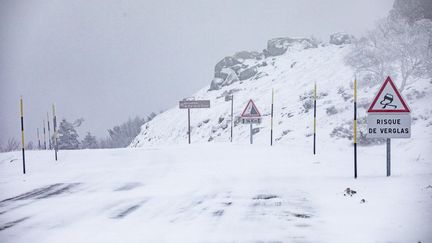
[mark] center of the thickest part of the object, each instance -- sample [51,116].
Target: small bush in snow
[307,105]
[346,129]
[331,110]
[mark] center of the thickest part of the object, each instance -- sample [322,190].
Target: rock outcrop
[245,64]
[278,46]
[341,38]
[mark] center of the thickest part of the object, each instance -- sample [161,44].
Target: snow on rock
[341,38]
[242,65]
[245,64]
[278,46]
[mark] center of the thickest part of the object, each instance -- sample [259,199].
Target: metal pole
[271,120]
[189,128]
[49,131]
[45,147]
[251,134]
[314,135]
[39,144]
[55,131]
[22,133]
[388,157]
[232,116]
[355,128]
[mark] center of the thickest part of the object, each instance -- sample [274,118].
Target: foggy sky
[109,60]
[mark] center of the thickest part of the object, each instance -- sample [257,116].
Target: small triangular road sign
[251,110]
[388,99]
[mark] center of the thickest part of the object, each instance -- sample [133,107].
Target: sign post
[193,104]
[251,133]
[250,116]
[271,121]
[189,130]
[22,133]
[231,98]
[389,117]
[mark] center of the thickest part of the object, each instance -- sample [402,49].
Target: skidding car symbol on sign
[388,99]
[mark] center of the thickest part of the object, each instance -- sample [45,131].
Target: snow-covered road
[216,193]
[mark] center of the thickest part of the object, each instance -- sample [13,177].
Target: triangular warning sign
[251,110]
[388,99]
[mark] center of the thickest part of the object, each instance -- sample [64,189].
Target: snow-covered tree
[394,47]
[68,137]
[412,10]
[89,142]
[122,135]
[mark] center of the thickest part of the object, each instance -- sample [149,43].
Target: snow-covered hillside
[292,76]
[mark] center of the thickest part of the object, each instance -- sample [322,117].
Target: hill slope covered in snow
[290,67]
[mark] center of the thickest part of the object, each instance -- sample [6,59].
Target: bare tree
[30,145]
[394,47]
[12,145]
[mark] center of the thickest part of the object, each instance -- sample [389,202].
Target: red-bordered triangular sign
[251,110]
[388,99]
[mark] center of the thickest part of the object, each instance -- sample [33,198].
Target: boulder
[231,76]
[226,62]
[248,55]
[278,46]
[216,84]
[226,76]
[341,38]
[247,73]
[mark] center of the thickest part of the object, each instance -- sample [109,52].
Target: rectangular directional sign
[389,126]
[192,104]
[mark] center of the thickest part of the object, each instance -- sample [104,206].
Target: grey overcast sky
[107,60]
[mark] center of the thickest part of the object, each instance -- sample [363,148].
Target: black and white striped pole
[355,128]
[314,125]
[39,143]
[231,98]
[49,132]
[44,134]
[22,133]
[55,131]
[271,120]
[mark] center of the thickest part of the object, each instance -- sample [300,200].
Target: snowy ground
[218,192]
